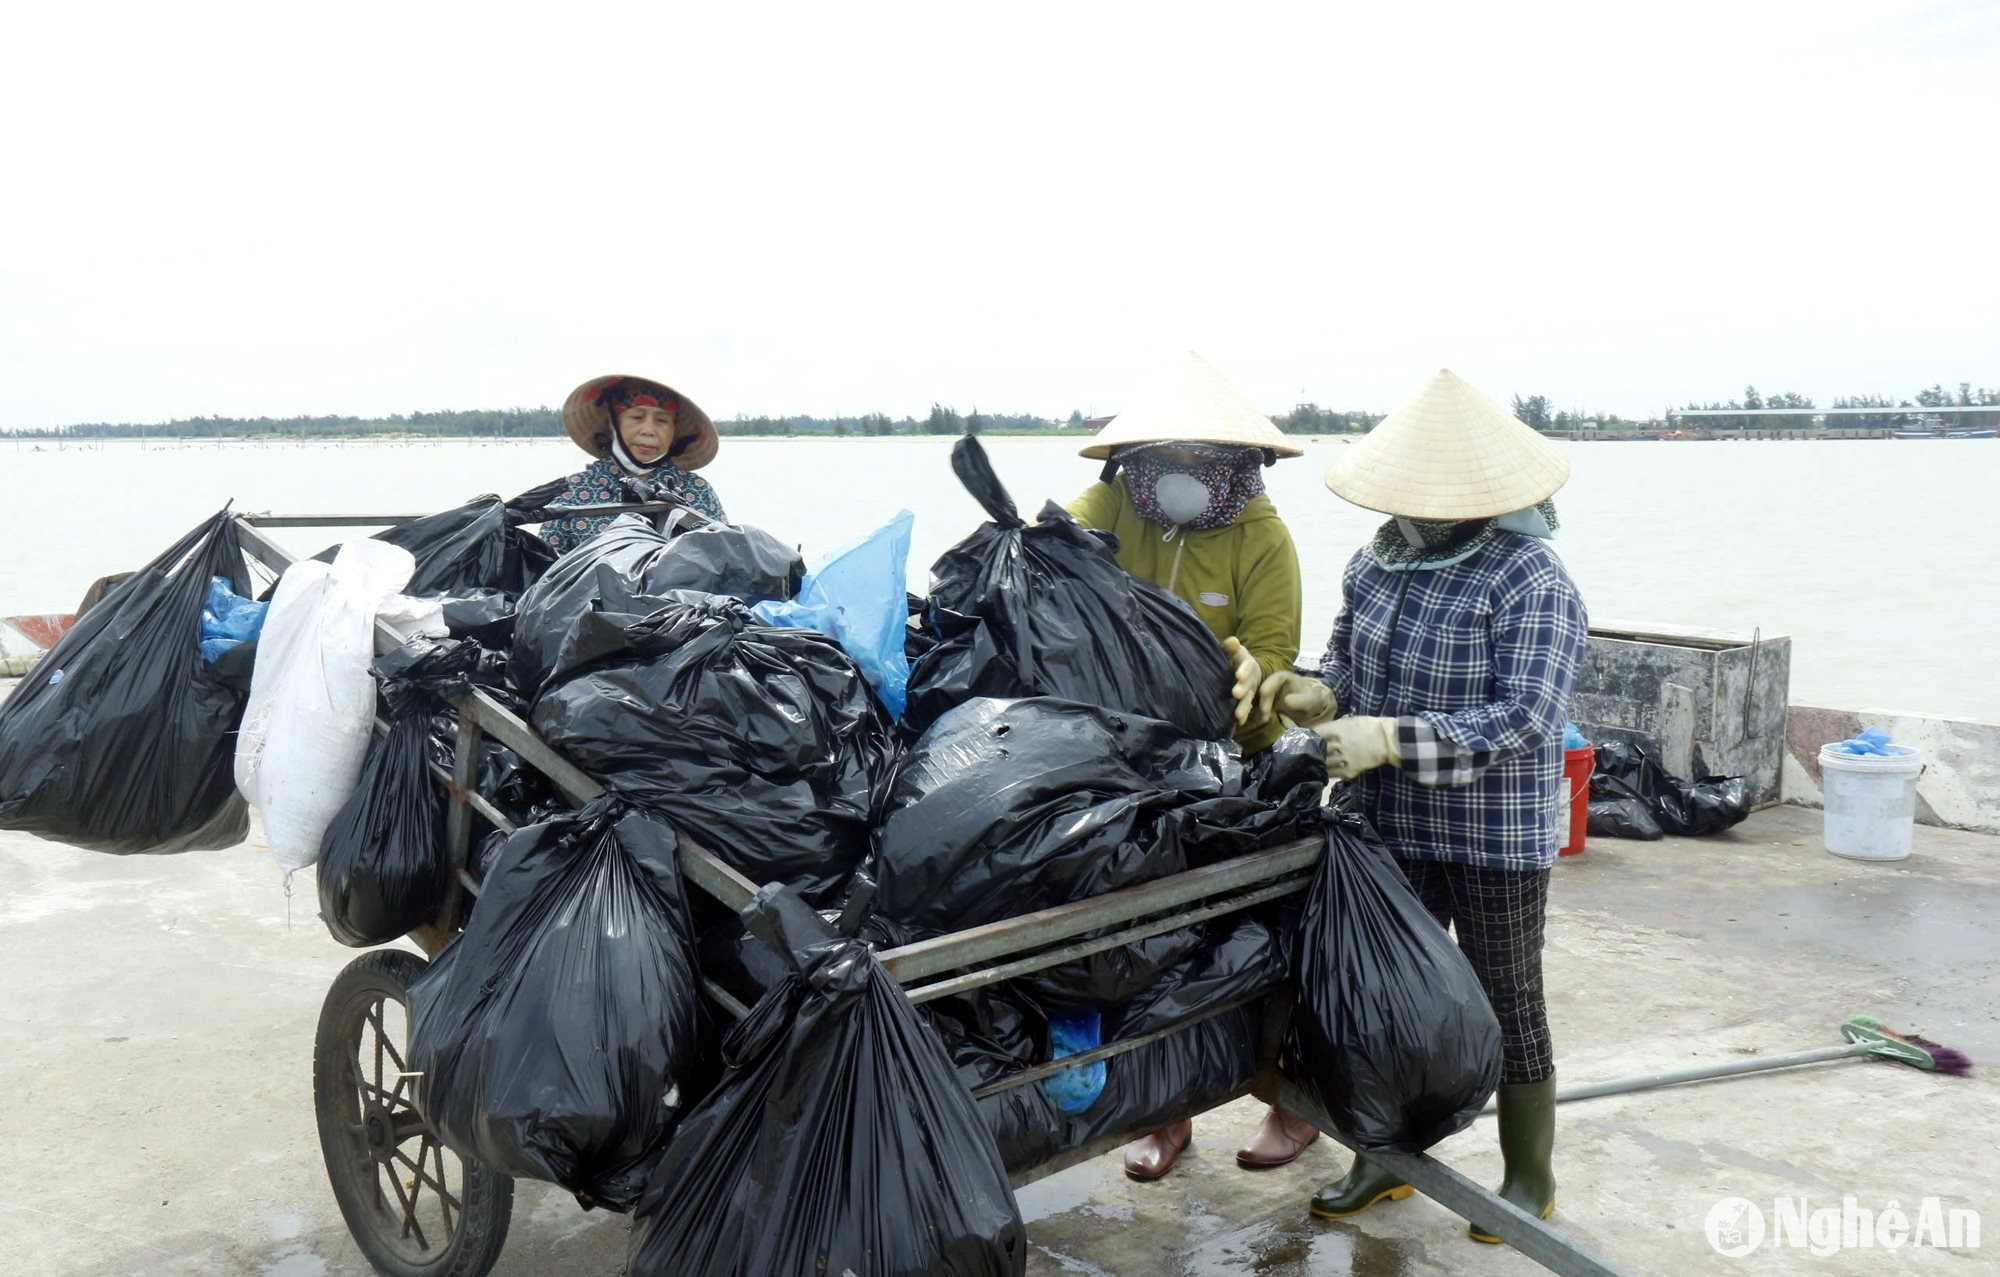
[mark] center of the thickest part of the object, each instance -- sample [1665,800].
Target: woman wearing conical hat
[1443,695]
[647,440]
[1183,491]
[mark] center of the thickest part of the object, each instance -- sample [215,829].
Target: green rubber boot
[1364,1185]
[1527,1145]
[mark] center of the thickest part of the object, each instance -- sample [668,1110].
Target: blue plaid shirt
[1476,663]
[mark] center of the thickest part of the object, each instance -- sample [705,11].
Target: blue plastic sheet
[227,618]
[858,599]
[1873,741]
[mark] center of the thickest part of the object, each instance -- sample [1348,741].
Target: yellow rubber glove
[1303,700]
[1249,677]
[1356,745]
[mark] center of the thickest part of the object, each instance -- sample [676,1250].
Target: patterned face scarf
[1417,545]
[1231,475]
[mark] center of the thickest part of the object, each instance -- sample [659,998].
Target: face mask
[1181,497]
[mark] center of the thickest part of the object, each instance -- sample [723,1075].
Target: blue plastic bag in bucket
[1869,792]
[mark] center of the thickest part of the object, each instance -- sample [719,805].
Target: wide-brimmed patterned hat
[1191,403]
[587,413]
[1449,454]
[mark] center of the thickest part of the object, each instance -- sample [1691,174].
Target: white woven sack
[312,699]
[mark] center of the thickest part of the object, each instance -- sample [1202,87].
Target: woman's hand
[1303,700]
[1356,745]
[1249,676]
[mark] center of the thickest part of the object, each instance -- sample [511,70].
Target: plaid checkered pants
[1500,917]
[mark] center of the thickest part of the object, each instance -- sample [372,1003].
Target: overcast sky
[270,209]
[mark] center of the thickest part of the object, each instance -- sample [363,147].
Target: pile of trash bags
[1042,729]
[120,739]
[1633,796]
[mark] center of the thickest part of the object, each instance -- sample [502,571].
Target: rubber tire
[488,1199]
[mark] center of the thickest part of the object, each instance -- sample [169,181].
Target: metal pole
[1702,1073]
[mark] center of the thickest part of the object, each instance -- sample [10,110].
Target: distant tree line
[1304,419]
[1933,396]
[523,423]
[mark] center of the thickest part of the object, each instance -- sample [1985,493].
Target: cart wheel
[415,1208]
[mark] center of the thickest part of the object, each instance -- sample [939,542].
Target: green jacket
[1241,580]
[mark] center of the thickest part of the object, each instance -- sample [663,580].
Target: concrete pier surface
[157,1017]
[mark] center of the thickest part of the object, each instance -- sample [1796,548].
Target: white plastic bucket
[1871,801]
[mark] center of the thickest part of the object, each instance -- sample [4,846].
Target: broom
[1866,1038]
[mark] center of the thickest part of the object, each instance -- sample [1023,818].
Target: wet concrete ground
[157,1015]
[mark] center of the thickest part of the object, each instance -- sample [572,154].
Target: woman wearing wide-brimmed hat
[1183,491]
[1443,695]
[648,440]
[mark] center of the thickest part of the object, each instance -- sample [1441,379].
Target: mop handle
[1702,1072]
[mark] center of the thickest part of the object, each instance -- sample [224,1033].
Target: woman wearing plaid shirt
[1442,696]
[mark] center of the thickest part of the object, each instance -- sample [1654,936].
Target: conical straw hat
[585,416]
[1191,403]
[1449,454]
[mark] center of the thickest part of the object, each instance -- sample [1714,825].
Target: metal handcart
[416,1209]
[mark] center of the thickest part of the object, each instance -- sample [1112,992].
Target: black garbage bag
[383,866]
[122,738]
[839,1140]
[473,547]
[917,637]
[1623,818]
[990,1036]
[383,871]
[1241,958]
[1392,1035]
[485,616]
[1043,609]
[629,568]
[1009,806]
[1625,770]
[762,744]
[561,1036]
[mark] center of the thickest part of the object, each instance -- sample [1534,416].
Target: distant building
[1097,423]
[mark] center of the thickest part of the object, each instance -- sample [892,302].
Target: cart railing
[973,958]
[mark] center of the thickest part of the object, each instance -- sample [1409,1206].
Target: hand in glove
[1249,676]
[1303,700]
[1356,745]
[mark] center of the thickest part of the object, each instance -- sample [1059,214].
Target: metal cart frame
[368,1120]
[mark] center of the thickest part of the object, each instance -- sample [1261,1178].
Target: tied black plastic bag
[1043,609]
[473,547]
[561,1036]
[629,568]
[839,1140]
[1706,806]
[383,869]
[123,737]
[762,744]
[1392,1036]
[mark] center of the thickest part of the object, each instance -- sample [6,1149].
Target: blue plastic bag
[1873,741]
[227,618]
[857,598]
[1573,737]
[1077,1089]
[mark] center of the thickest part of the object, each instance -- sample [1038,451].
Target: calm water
[1878,558]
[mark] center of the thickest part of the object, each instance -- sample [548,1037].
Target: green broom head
[1874,1038]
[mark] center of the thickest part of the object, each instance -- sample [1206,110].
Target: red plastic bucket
[1578,764]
